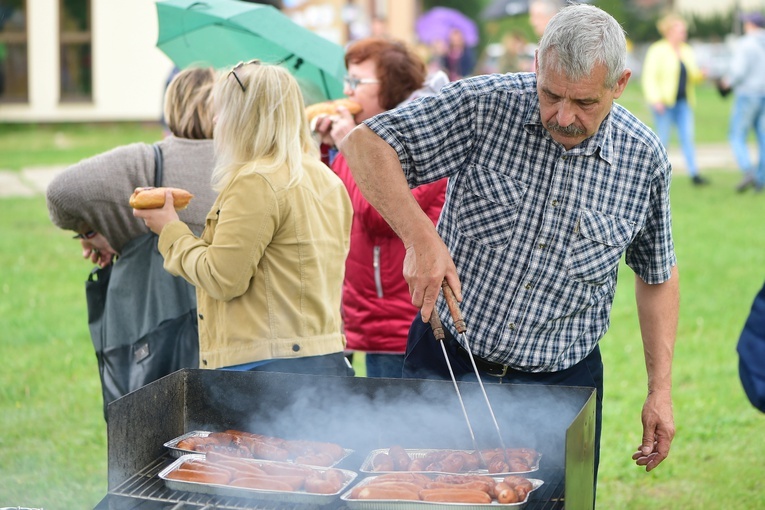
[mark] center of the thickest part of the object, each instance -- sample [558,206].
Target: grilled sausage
[191,443]
[452,463]
[506,494]
[416,478]
[286,470]
[376,492]
[263,450]
[521,485]
[318,485]
[401,459]
[241,468]
[455,496]
[497,464]
[472,461]
[383,462]
[198,465]
[464,478]
[334,475]
[187,475]
[419,464]
[317,459]
[407,486]
[486,487]
[263,483]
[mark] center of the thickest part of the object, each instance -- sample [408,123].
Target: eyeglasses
[353,82]
[239,66]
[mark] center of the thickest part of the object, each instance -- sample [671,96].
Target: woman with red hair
[377,309]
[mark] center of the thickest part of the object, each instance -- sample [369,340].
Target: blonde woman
[669,77]
[268,267]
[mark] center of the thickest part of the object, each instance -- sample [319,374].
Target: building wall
[129,72]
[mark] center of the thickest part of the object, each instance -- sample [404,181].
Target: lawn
[53,445]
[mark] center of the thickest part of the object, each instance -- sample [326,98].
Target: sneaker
[746,183]
[699,180]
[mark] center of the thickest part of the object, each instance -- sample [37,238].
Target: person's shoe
[746,183]
[699,180]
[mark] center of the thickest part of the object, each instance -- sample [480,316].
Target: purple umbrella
[436,24]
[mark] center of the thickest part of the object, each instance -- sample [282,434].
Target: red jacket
[377,306]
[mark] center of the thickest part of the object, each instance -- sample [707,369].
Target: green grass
[53,441]
[24,145]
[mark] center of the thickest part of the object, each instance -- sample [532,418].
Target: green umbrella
[221,33]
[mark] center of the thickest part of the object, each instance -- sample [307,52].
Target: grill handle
[454,307]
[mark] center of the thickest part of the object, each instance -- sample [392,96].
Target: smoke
[368,414]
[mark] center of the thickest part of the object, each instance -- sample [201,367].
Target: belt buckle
[499,374]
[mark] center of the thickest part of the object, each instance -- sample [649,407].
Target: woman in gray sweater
[91,197]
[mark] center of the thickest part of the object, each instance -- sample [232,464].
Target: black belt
[489,367]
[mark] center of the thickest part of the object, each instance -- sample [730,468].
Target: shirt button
[201,317]
[511,326]
[564,158]
[527,286]
[554,203]
[542,246]
[296,348]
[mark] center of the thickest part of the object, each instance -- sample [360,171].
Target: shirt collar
[601,142]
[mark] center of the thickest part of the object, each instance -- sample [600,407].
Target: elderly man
[550,184]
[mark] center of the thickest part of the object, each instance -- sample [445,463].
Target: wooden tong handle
[454,308]
[438,328]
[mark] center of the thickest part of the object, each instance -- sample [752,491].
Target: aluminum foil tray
[399,504]
[366,467]
[240,492]
[176,452]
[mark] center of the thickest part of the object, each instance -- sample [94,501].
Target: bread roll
[330,108]
[154,198]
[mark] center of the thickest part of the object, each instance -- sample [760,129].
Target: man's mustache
[570,130]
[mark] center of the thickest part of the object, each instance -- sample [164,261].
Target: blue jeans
[384,365]
[748,113]
[681,115]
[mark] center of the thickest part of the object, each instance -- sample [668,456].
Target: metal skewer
[438,332]
[459,324]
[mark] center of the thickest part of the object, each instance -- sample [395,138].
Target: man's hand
[658,430]
[426,265]
[156,219]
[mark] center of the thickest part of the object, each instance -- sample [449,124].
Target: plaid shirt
[536,231]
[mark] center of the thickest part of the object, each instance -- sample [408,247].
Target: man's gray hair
[580,37]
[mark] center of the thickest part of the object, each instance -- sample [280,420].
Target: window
[76,50]
[14,82]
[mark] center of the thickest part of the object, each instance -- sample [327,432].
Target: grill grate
[146,486]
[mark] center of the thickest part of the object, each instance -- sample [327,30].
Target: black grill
[358,413]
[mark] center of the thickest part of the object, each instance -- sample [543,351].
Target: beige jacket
[268,268]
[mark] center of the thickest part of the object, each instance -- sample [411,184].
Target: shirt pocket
[598,244]
[489,207]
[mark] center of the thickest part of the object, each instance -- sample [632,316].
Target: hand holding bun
[154,198]
[330,108]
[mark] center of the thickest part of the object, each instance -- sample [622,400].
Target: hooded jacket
[377,307]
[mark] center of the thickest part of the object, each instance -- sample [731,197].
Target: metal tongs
[459,324]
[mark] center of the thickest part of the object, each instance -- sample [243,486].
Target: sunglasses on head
[239,66]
